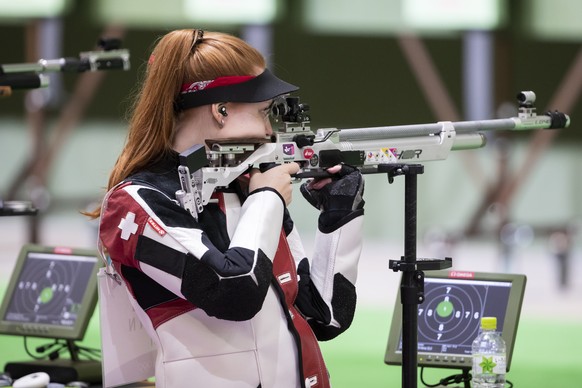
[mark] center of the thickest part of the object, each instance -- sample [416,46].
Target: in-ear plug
[222,111]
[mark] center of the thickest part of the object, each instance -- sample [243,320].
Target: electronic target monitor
[52,293]
[450,316]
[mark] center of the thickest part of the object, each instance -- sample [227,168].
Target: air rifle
[31,75]
[203,169]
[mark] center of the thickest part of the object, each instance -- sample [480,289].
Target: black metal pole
[409,287]
[412,282]
[73,350]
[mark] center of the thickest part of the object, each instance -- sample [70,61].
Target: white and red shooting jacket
[230,299]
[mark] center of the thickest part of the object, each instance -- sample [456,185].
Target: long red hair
[179,57]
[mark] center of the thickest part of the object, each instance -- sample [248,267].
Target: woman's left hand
[342,191]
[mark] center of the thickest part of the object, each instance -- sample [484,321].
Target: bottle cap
[489,323]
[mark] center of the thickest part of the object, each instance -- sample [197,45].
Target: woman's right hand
[277,178]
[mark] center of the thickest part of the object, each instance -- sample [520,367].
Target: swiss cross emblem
[127,226]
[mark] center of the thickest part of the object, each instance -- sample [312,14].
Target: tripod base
[60,370]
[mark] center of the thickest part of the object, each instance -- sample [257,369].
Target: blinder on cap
[263,87]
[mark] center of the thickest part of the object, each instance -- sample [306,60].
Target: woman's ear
[219,113]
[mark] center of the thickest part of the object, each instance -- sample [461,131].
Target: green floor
[547,353]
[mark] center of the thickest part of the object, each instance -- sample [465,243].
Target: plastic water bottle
[488,352]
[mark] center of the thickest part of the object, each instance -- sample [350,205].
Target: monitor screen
[450,316]
[52,293]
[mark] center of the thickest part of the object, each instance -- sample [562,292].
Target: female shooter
[230,298]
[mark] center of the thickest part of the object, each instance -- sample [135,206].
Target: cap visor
[265,86]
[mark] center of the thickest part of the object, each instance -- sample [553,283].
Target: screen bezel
[394,357]
[43,330]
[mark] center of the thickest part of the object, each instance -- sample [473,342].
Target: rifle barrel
[399,131]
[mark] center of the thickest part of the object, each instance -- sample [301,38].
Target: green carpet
[547,353]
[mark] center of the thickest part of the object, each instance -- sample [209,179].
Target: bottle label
[489,363]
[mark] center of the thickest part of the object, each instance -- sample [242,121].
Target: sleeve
[143,229]
[327,292]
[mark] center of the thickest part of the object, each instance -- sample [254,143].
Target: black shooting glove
[340,200]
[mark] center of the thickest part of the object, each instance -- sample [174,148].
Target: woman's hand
[337,196]
[318,184]
[277,178]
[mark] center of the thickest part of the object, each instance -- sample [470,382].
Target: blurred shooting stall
[42,75]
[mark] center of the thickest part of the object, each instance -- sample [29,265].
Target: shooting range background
[351,81]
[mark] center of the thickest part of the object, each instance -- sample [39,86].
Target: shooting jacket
[230,299]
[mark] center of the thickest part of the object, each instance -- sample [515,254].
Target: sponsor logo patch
[156,227]
[289,149]
[284,278]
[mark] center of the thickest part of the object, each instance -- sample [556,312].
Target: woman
[230,298]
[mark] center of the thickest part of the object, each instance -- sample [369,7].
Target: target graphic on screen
[450,316]
[50,289]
